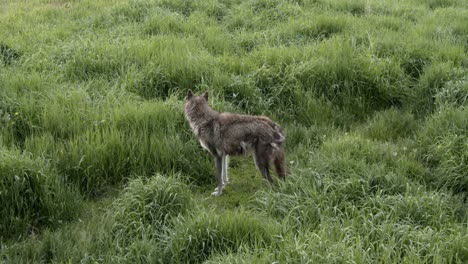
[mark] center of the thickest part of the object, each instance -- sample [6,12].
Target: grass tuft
[443,148]
[33,196]
[195,239]
[390,125]
[146,207]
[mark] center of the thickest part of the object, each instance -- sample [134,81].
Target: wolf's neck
[200,117]
[208,116]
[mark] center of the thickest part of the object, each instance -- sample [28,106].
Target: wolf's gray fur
[224,134]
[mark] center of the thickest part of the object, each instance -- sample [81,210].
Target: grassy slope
[372,94]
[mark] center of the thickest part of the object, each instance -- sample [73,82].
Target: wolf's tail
[278,133]
[279,161]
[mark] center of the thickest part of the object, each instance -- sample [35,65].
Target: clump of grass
[94,149]
[138,139]
[90,60]
[272,10]
[433,4]
[305,247]
[352,81]
[295,205]
[146,207]
[164,22]
[238,20]
[453,94]
[357,8]
[413,56]
[390,124]
[309,137]
[348,79]
[180,6]
[213,8]
[310,198]
[388,22]
[95,161]
[435,77]
[243,93]
[328,208]
[164,65]
[195,238]
[303,30]
[443,148]
[239,257]
[419,207]
[218,42]
[87,240]
[133,11]
[385,243]
[356,155]
[416,60]
[343,171]
[8,54]
[20,113]
[64,117]
[32,195]
[159,124]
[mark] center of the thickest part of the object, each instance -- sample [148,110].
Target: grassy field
[98,165]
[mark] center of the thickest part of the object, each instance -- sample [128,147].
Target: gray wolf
[224,134]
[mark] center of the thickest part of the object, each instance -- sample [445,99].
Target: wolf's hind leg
[262,161]
[219,176]
[279,162]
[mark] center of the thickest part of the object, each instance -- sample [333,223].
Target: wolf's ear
[189,94]
[206,95]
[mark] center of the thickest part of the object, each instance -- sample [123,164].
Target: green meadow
[98,165]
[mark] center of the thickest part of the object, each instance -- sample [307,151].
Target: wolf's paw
[217,188]
[216,193]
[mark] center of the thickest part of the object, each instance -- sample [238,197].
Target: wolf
[224,134]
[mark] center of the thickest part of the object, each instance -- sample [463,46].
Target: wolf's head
[190,95]
[196,105]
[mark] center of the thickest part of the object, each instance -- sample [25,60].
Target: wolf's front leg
[225,169]
[219,175]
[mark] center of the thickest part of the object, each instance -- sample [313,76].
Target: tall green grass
[127,228]
[391,124]
[32,195]
[196,239]
[443,148]
[139,138]
[147,207]
[372,96]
